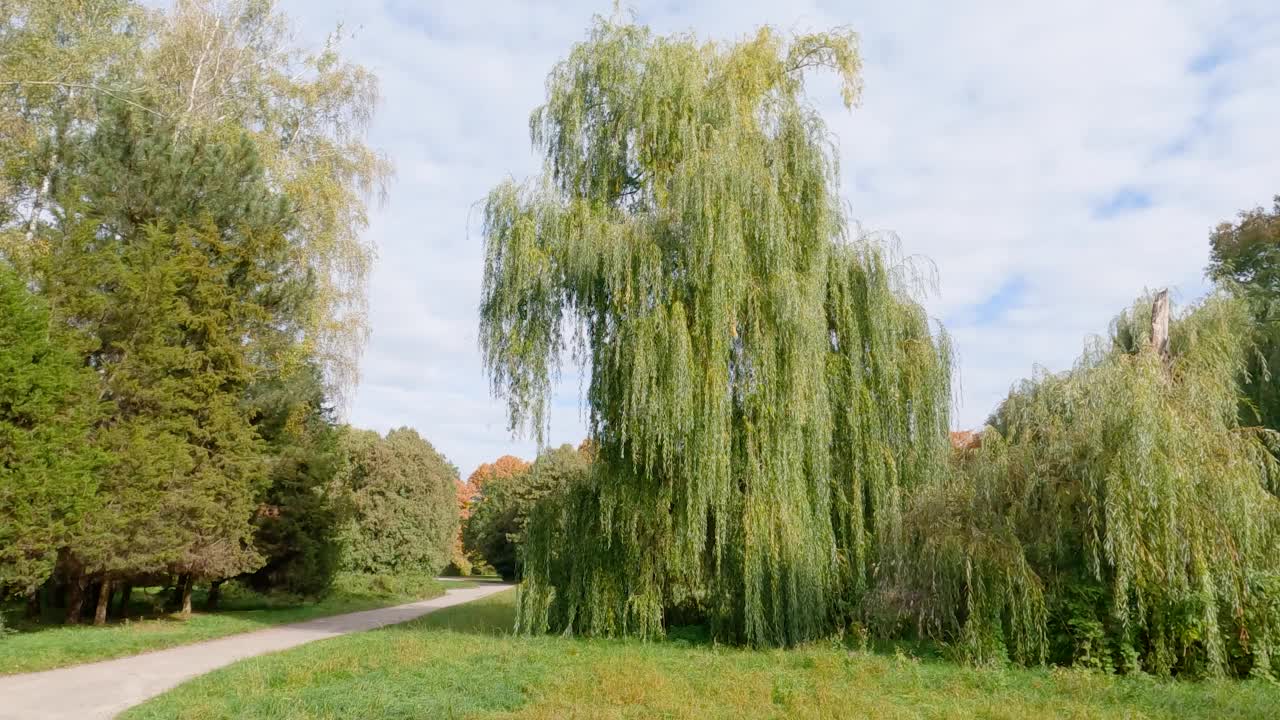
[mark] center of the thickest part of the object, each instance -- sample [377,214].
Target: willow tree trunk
[104,603]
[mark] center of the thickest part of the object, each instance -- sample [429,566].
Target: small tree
[298,517]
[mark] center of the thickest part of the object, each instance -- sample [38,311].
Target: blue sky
[1051,162]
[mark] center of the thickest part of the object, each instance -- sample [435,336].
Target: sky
[1050,160]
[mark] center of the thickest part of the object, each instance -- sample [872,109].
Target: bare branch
[82,86]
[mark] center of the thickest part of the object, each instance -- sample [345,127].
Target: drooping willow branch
[762,389]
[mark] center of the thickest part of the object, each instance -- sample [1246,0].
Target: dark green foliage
[297,521]
[403,503]
[194,227]
[499,518]
[406,584]
[48,464]
[763,387]
[1115,516]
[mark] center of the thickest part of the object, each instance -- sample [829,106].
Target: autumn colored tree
[470,492]
[459,563]
[506,466]
[500,512]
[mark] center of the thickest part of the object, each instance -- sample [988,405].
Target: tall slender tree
[762,387]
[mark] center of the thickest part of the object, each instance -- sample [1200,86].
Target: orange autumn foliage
[505,466]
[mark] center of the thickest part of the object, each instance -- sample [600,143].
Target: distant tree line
[182,194]
[503,498]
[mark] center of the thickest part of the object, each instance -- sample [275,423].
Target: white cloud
[990,136]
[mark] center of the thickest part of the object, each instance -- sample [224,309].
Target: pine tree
[298,518]
[172,259]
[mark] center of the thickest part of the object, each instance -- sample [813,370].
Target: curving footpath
[101,690]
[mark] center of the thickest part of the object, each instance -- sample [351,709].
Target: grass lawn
[47,645]
[462,663]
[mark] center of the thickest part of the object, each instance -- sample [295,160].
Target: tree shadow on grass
[144,605]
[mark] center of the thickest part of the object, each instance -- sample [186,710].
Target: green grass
[462,663]
[47,645]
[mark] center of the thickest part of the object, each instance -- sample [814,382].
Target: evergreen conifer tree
[48,465]
[171,259]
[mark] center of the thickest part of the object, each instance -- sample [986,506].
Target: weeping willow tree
[1117,515]
[763,388]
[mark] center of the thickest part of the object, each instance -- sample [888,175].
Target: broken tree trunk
[1160,325]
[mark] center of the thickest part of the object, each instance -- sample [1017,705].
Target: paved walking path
[101,690]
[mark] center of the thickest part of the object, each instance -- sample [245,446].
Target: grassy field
[47,645]
[462,663]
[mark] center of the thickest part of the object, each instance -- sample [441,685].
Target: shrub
[407,585]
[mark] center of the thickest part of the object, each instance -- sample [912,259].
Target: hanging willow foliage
[1116,515]
[762,387]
